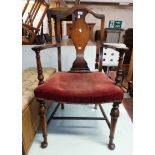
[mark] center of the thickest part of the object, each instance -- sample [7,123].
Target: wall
[49,57]
[112,12]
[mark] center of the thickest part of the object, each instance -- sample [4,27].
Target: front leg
[114,116]
[42,112]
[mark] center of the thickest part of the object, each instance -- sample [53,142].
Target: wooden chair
[79,85]
[32,24]
[25,7]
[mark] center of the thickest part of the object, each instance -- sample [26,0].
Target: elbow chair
[80,85]
[32,23]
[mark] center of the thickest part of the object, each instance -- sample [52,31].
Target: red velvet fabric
[93,87]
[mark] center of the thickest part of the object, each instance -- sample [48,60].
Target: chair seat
[94,87]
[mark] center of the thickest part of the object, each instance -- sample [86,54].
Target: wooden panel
[91,26]
[130,71]
[80,35]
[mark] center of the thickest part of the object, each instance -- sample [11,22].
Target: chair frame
[28,25]
[25,7]
[80,65]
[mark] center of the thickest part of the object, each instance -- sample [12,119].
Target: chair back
[37,14]
[80,34]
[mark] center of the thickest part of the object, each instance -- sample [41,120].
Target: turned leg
[62,105]
[114,115]
[42,112]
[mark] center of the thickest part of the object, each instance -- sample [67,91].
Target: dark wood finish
[128,104]
[78,118]
[29,31]
[80,36]
[91,26]
[42,112]
[128,41]
[82,30]
[114,116]
[62,105]
[53,113]
[119,74]
[25,7]
[54,12]
[39,68]
[104,114]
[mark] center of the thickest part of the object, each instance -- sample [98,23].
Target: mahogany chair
[79,85]
[32,23]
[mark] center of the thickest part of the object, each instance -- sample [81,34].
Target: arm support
[37,50]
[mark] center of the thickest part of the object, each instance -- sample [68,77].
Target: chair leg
[114,116]
[62,105]
[42,112]
[95,106]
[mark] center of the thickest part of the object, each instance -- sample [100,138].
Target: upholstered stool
[30,117]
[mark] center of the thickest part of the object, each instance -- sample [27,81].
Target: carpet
[85,137]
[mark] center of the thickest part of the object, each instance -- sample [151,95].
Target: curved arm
[37,50]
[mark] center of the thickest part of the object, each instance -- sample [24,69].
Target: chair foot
[44,144]
[111,146]
[42,112]
[114,116]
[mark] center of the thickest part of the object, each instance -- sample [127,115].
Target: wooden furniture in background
[130,76]
[79,85]
[54,12]
[25,7]
[128,41]
[110,36]
[32,24]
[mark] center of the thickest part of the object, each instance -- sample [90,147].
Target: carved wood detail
[39,68]
[80,35]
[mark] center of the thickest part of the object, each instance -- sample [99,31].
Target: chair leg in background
[114,116]
[95,106]
[62,105]
[42,112]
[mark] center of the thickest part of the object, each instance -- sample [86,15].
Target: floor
[68,137]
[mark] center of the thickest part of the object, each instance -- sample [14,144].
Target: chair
[32,24]
[79,85]
[25,7]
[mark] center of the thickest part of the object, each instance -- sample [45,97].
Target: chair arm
[37,50]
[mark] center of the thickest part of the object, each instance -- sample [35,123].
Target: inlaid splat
[80,35]
[82,30]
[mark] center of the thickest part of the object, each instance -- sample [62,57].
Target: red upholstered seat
[93,87]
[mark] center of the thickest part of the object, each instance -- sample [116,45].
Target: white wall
[112,12]
[49,57]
